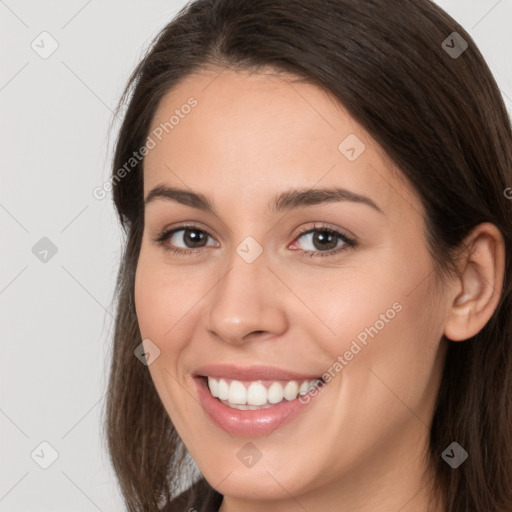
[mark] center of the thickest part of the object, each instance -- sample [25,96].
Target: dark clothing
[200,497]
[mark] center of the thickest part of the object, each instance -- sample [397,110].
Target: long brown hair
[438,115]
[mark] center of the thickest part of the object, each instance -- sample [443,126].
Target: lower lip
[249,423]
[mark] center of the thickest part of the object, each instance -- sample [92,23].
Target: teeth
[237,393]
[275,393]
[214,387]
[291,390]
[255,395]
[304,387]
[223,390]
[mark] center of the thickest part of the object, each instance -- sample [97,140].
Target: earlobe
[477,291]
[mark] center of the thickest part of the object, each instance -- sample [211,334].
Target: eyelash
[348,241]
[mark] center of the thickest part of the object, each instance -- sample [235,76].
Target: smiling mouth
[258,394]
[256,400]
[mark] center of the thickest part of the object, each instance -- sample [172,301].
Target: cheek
[385,331]
[391,366]
[163,307]
[150,301]
[164,300]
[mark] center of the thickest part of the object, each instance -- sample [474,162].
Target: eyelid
[319,226]
[349,240]
[169,231]
[171,228]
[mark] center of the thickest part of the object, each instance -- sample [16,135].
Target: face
[269,288]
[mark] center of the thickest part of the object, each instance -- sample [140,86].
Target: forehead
[266,105]
[263,132]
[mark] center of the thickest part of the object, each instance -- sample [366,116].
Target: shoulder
[199,497]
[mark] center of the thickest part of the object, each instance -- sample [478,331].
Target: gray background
[56,309]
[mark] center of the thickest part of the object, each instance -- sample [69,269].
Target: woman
[314,302]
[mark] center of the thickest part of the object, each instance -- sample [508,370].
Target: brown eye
[323,240]
[192,238]
[184,240]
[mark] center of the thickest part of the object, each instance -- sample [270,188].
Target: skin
[360,445]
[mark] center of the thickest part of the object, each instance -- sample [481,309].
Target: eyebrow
[285,201]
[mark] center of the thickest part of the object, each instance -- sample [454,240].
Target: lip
[250,423]
[251,373]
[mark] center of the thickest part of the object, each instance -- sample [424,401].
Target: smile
[254,401]
[257,395]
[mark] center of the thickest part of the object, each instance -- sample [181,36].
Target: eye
[192,237]
[324,241]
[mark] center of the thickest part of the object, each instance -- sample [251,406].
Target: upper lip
[230,371]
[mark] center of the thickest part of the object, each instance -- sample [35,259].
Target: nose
[247,303]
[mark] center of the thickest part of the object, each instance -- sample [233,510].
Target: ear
[477,290]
